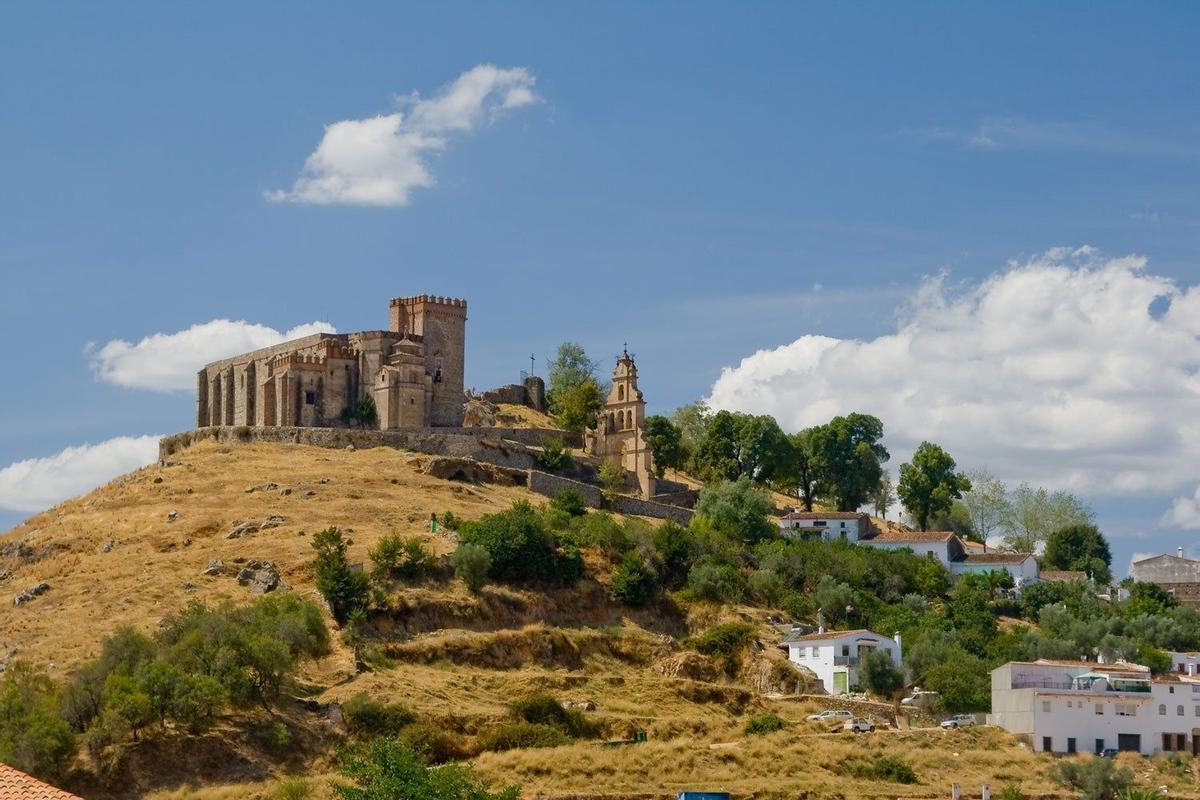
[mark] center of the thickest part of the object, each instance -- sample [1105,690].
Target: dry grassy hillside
[455,659]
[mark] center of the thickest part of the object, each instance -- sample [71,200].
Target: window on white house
[1100,709]
[1125,709]
[1198,711]
[1162,710]
[1179,711]
[1046,705]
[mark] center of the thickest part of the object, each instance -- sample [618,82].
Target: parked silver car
[857,725]
[959,721]
[832,715]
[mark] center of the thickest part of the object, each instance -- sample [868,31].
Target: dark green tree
[742,445]
[1079,547]
[848,458]
[692,421]
[576,407]
[344,589]
[738,510]
[881,677]
[799,475]
[33,737]
[666,442]
[929,484]
[634,581]
[386,770]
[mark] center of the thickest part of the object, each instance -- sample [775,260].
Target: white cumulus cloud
[1183,513]
[1069,370]
[38,483]
[378,161]
[168,362]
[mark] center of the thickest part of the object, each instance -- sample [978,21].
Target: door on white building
[1129,742]
[840,683]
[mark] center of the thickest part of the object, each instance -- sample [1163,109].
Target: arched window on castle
[621,392]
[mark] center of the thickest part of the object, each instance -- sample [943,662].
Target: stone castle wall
[549,485]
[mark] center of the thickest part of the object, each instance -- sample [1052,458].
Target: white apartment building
[1083,706]
[834,655]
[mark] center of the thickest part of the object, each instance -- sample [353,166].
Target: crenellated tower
[440,323]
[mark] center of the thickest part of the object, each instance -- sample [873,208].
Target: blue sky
[703,181]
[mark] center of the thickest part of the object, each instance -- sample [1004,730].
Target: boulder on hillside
[215,567]
[260,577]
[273,521]
[472,471]
[242,529]
[479,413]
[30,594]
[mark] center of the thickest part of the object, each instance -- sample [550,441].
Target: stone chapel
[620,435]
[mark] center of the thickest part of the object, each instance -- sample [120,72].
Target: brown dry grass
[695,729]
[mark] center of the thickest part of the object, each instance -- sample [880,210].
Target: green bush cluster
[521,547]
[544,709]
[405,557]
[764,723]
[365,716]
[883,768]
[515,735]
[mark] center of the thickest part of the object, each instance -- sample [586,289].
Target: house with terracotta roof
[1087,706]
[16,785]
[834,656]
[957,556]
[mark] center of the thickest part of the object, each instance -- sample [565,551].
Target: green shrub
[518,543]
[1094,779]
[766,587]
[471,564]
[717,583]
[385,769]
[365,716]
[612,481]
[764,723]
[432,743]
[555,454]
[544,709]
[278,736]
[514,735]
[883,768]
[634,582]
[406,557]
[570,501]
[602,531]
[343,588]
[725,643]
[291,789]
[33,737]
[450,521]
[677,548]
[1011,791]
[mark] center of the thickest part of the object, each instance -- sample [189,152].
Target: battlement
[335,349]
[430,299]
[298,361]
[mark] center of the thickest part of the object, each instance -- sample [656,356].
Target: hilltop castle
[413,371]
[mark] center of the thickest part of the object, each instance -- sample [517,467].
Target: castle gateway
[413,372]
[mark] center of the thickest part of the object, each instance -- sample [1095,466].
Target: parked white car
[959,721]
[857,725]
[920,697]
[831,715]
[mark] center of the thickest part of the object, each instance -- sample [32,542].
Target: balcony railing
[1032,683]
[845,661]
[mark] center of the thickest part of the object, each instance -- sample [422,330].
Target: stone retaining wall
[505,447]
[549,485]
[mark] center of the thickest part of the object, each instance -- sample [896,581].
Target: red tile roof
[16,785]
[995,558]
[809,637]
[825,515]
[913,536]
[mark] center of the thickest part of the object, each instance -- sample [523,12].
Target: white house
[1023,567]
[945,546]
[1084,706]
[829,525]
[834,656]
[957,556]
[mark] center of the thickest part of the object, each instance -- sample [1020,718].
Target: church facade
[620,434]
[413,372]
